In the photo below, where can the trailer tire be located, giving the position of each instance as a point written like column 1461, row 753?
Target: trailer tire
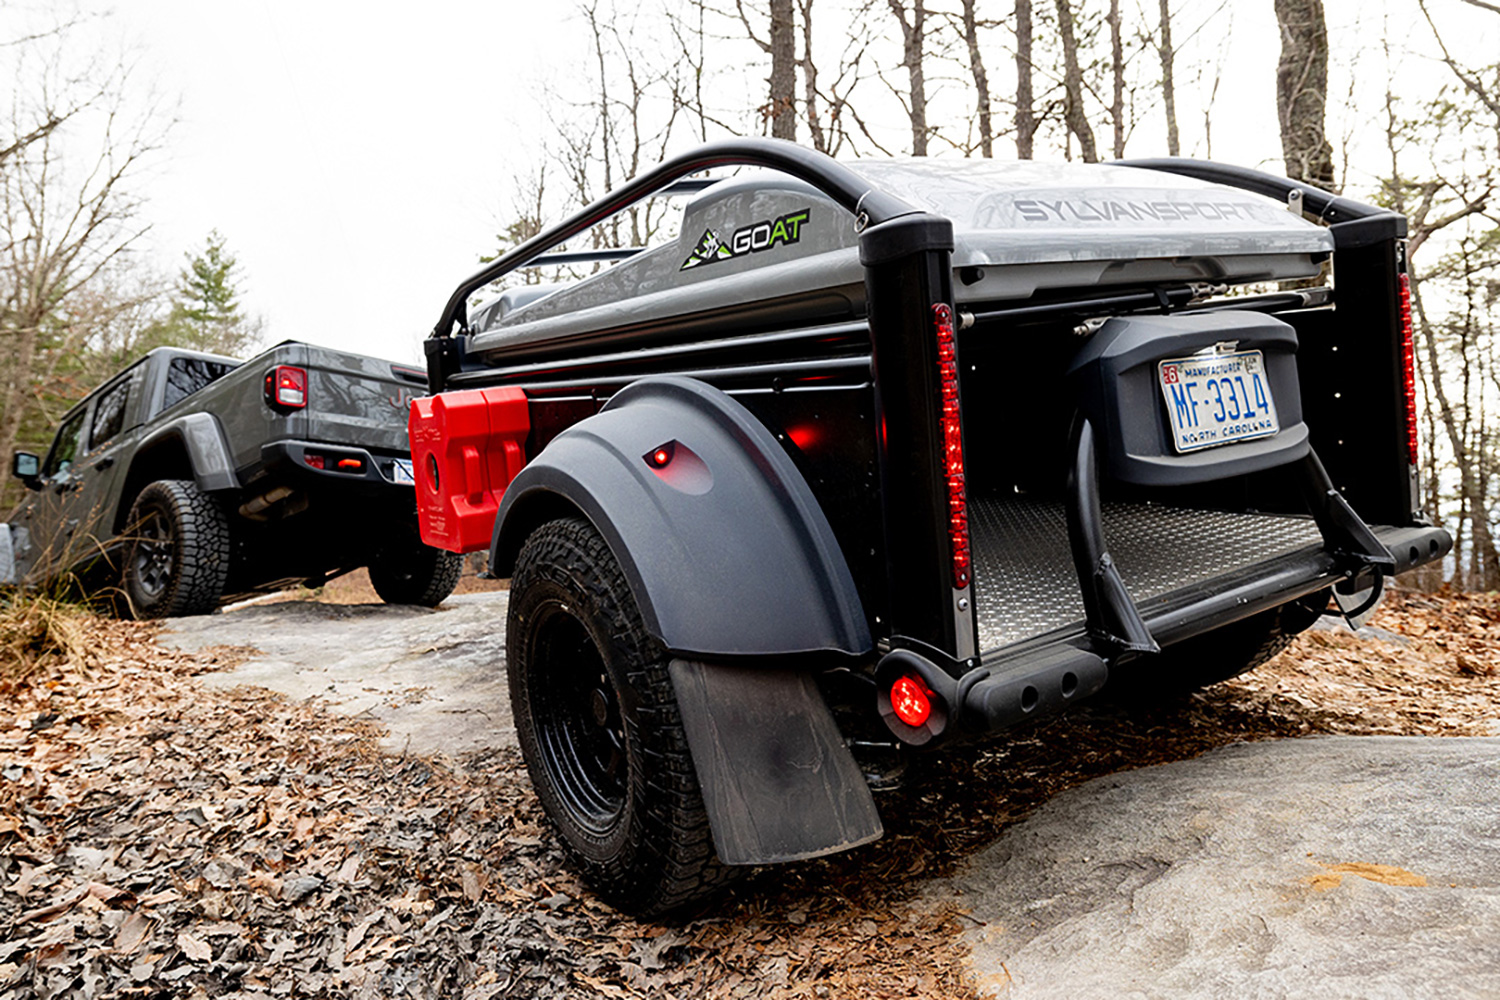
column 176, row 553
column 599, row 726
column 412, row 573
column 1227, row 652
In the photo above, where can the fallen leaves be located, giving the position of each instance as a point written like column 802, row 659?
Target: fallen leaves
column 166, row 839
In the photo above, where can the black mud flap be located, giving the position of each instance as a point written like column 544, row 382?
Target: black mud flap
column 778, row 781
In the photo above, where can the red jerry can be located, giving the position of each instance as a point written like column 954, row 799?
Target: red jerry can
column 466, row 447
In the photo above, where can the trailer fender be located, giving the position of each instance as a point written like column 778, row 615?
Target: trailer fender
column 725, row 548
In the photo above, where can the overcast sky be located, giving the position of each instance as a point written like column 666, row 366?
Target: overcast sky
column 357, row 157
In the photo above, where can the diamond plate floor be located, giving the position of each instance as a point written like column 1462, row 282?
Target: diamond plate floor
column 1023, row 571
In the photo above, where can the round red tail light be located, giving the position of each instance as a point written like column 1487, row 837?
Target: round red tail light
column 911, row 701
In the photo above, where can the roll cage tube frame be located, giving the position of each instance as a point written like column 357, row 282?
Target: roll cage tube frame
column 868, row 205
column 906, row 253
column 1353, row 223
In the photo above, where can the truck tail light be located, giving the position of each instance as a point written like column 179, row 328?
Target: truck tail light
column 287, row 386
column 1408, row 370
column 953, row 445
column 911, row 701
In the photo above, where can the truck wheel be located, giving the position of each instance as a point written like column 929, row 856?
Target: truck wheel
column 413, row 573
column 1227, row 652
column 599, row 726
column 177, row 553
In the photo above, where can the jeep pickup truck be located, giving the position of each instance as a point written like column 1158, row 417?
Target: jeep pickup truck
column 889, row 456
column 191, row 480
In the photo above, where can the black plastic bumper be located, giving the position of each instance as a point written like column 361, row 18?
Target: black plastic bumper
column 292, row 457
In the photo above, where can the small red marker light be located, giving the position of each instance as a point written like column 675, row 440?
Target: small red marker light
column 354, row 464
column 910, row 701
column 661, row 456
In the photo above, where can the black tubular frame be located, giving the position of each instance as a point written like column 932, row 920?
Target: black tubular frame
column 832, row 178
column 1353, row 223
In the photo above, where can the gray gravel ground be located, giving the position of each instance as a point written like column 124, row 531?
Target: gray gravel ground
column 436, row 679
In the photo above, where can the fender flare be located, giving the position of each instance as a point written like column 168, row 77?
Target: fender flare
column 203, row 440
column 725, row 547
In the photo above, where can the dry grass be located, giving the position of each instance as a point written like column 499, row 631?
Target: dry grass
column 38, row 629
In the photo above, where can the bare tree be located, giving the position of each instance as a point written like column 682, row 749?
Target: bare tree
column 1073, row 110
column 1117, row 77
column 66, row 210
column 782, row 108
column 913, row 26
column 1302, row 91
column 1025, row 97
column 780, row 44
column 1168, row 56
column 970, row 24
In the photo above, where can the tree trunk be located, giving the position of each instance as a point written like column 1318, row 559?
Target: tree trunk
column 1117, row 73
column 1302, row 91
column 1168, row 88
column 782, row 108
column 981, row 80
column 1025, row 100
column 912, row 38
column 810, row 80
column 1073, row 113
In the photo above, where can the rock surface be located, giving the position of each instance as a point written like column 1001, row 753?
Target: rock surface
column 435, row 679
column 1358, row 867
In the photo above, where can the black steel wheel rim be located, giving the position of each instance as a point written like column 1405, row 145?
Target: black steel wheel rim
column 576, row 712
column 155, row 550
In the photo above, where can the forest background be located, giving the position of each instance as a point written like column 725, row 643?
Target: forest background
column 1415, row 126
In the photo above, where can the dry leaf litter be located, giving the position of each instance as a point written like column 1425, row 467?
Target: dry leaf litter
column 160, row 839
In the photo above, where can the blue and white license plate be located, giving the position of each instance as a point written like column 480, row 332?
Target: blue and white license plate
column 1215, row 399
column 401, row 473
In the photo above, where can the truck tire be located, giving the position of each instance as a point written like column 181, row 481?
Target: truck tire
column 177, row 551
column 1227, row 652
column 599, row 726
column 413, row 573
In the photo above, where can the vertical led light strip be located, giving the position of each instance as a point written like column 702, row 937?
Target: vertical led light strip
column 1409, row 370
column 953, row 446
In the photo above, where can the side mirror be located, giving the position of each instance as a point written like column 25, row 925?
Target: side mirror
column 26, row 467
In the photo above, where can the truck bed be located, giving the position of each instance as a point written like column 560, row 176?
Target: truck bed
column 1026, row 585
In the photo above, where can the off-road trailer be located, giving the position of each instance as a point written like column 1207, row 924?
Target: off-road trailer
column 894, row 453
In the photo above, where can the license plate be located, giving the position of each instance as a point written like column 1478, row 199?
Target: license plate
column 401, row 473
column 1216, row 399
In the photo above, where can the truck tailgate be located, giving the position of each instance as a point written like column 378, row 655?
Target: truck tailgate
column 352, row 398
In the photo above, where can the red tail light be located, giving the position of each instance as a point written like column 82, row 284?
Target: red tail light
column 1408, row 371
column 286, row 386
column 953, row 445
column 911, row 701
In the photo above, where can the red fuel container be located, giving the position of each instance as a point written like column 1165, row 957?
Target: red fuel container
column 466, row 447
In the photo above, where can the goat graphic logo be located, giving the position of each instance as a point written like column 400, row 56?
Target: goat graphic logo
column 754, row 238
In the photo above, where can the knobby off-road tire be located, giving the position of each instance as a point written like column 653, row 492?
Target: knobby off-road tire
column 177, row 551
column 600, row 729
column 1227, row 652
column 412, row 573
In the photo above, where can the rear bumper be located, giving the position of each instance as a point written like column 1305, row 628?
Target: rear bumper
column 1046, row 674
column 291, row 458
